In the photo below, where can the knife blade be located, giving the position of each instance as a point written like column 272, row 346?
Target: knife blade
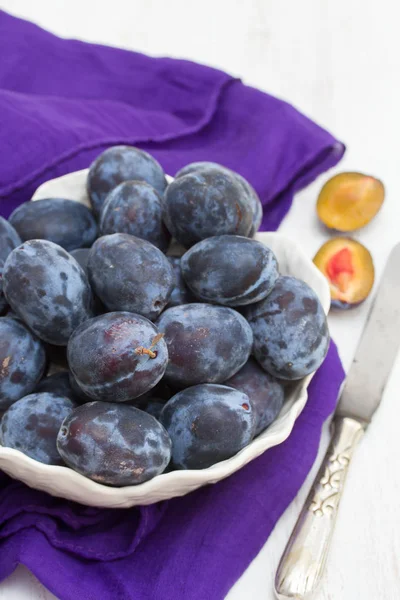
column 302, row 564
column 377, row 348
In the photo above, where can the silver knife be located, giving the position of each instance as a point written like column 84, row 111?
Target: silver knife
column 303, row 561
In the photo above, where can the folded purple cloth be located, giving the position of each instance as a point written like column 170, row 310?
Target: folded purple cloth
column 61, row 103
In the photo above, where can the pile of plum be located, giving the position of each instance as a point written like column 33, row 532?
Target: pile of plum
column 157, row 362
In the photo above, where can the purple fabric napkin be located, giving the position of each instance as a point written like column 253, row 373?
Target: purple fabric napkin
column 61, row 103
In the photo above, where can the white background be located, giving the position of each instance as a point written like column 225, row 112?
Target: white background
column 338, row 62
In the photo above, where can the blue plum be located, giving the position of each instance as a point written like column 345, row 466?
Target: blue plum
column 22, row 361
column 9, row 239
column 266, row 393
column 118, row 164
column 67, row 223
column 130, row 274
column 207, row 203
column 230, row 270
column 207, row 423
column 291, row 336
column 136, row 208
column 31, row 425
column 47, row 288
column 249, row 191
column 206, row 343
column 181, row 294
column 113, row 444
column 58, row 384
column 117, row 357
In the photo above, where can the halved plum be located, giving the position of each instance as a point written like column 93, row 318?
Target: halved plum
column 349, row 268
column 348, row 201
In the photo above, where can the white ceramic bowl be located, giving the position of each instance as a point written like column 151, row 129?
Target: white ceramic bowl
column 64, row 482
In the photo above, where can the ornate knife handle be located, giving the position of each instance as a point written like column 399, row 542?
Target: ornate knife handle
column 303, row 561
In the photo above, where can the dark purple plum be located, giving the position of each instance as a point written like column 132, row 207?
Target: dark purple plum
column 113, row 444
column 207, row 423
column 207, row 203
column 117, row 357
column 266, row 393
column 118, row 164
column 206, row 343
column 31, row 425
column 9, row 239
column 130, row 274
column 22, row 361
column 181, row 294
column 57, row 384
column 136, row 208
column 230, row 270
column 248, row 189
column 47, row 289
column 291, row 336
column 67, row 223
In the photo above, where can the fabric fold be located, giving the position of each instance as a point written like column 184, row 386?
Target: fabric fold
column 62, row 102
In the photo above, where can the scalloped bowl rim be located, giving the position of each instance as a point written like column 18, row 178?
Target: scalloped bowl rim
column 64, row 482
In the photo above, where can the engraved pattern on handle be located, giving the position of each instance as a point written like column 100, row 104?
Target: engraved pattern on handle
column 302, row 564
column 327, row 492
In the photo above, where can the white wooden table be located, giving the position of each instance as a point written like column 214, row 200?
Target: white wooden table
column 339, row 62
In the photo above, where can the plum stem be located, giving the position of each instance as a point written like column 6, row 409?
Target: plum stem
column 148, row 351
column 141, row 351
